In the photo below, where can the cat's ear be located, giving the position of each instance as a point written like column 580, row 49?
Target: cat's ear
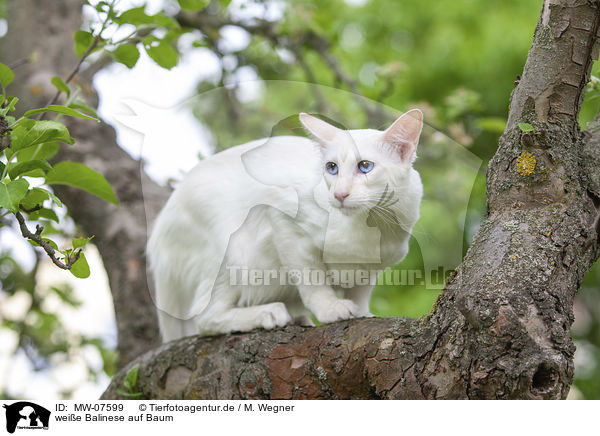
column 318, row 128
column 403, row 135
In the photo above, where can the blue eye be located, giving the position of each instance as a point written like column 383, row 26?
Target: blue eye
column 332, row 168
column 365, row 166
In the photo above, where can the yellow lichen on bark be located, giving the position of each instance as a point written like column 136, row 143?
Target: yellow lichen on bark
column 525, row 164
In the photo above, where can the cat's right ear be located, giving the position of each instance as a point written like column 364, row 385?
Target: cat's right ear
column 404, row 134
column 318, row 128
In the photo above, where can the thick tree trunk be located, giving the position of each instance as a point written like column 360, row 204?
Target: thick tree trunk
column 501, row 327
column 119, row 232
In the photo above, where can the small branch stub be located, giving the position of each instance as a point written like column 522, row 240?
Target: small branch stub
column 50, row 251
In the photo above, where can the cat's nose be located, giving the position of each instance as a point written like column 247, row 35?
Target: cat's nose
column 341, row 196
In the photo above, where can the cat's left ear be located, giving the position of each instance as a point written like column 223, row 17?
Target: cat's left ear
column 404, row 133
column 318, row 128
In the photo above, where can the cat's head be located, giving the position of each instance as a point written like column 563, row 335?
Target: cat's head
column 365, row 168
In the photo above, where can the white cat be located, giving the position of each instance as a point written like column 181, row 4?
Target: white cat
column 246, row 238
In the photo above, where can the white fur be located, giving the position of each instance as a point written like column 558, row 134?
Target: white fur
column 270, row 205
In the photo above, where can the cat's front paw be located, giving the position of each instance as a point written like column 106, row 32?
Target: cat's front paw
column 338, row 311
column 274, row 315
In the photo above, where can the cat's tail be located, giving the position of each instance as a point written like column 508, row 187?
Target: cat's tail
column 160, row 261
column 174, row 281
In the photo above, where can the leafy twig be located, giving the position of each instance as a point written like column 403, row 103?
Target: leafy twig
column 50, row 251
column 33, row 209
column 209, row 24
column 19, row 62
column 75, row 69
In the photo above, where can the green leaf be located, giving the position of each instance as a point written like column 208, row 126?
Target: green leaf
column 135, row 16
column 2, row 166
column 84, row 107
column 492, row 124
column 127, row 54
column 38, row 173
column 42, row 151
column 162, row 53
column 49, row 214
column 83, row 40
column 164, row 21
column 61, row 85
column 80, row 242
column 12, row 101
column 6, row 75
column 21, row 127
column 80, row 269
column 133, row 396
column 10, row 105
column 49, row 229
column 193, row 5
column 109, row 358
column 66, row 295
column 51, row 242
column 12, row 193
column 131, row 377
column 24, row 136
column 82, row 177
column 36, row 196
column 55, row 108
column 54, row 199
column 525, row 127
column 101, row 6
column 23, row 168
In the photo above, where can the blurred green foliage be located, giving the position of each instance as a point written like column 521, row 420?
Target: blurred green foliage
column 37, row 328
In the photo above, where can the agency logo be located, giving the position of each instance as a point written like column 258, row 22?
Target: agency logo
column 26, row 415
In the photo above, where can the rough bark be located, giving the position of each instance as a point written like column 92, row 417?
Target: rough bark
column 501, row 327
column 358, row 359
column 119, row 232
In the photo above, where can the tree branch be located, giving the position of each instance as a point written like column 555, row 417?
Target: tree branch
column 50, row 251
column 359, row 359
column 77, row 66
column 559, row 64
column 209, row 24
column 393, row 358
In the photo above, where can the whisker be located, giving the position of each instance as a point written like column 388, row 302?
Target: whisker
column 386, row 216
